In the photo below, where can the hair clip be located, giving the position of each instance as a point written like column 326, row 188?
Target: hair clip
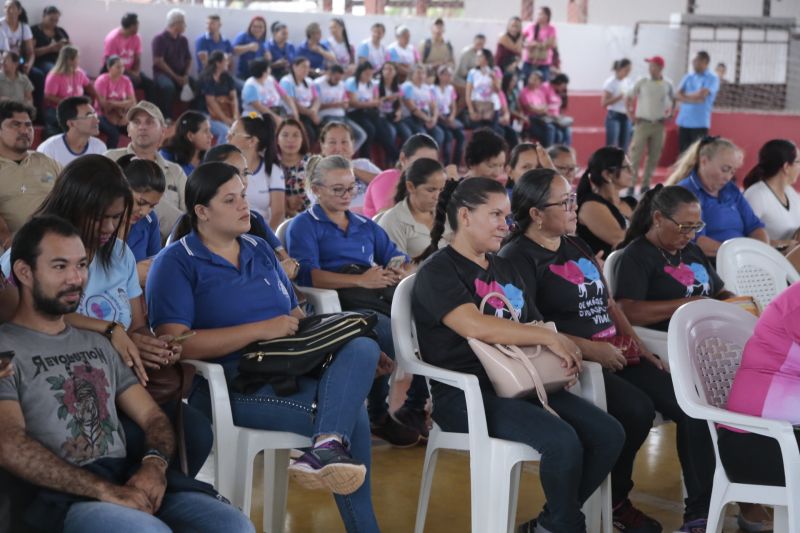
column 253, row 114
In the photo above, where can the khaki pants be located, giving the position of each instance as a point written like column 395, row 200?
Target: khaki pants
column 650, row 135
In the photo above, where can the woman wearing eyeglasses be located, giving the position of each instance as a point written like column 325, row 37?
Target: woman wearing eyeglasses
column 707, row 168
column 602, row 215
column 571, row 292
column 338, row 249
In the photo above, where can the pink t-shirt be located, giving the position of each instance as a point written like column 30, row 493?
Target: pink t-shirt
column 544, row 34
column 545, row 96
column 767, row 383
column 119, row 89
column 380, row 192
column 125, row 47
column 65, row 85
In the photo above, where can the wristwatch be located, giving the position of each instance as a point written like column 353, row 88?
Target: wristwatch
column 109, row 332
column 157, row 454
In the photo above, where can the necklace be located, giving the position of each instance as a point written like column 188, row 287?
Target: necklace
column 666, row 258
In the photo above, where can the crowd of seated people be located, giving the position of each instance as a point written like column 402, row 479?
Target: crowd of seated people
column 359, row 150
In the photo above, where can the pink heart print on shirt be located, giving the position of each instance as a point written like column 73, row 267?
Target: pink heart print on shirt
column 482, row 289
column 570, row 271
column 681, row 273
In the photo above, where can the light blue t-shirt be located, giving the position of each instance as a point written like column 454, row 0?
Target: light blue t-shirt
column 108, row 291
column 697, row 115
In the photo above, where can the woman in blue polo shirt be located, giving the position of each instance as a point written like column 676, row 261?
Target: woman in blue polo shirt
column 228, row 287
column 328, row 239
column 707, row 168
column 147, row 183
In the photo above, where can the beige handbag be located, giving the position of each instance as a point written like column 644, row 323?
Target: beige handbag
column 519, row 372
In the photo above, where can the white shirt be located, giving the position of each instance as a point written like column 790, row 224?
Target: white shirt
column 269, row 93
column 482, row 84
column 259, row 187
column 14, row 39
column 375, row 55
column 615, row 86
column 56, row 148
column 445, row 99
column 421, row 96
column 330, row 94
column 780, row 222
column 340, row 50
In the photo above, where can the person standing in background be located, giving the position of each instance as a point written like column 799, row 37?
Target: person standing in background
column 652, row 103
column 696, row 93
column 539, row 42
column 615, row 89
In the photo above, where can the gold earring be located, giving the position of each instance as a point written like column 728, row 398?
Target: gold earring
column 540, row 224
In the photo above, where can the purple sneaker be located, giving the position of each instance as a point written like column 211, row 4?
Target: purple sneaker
column 328, row 467
column 694, row 526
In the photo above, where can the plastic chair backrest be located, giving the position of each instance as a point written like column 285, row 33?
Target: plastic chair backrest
column 609, row 268
column 753, row 268
column 706, row 339
column 281, row 231
column 403, row 317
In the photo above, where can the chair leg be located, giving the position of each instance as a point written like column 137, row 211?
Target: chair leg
column 276, row 481
column 513, row 497
column 243, row 487
column 716, row 508
column 428, row 469
column 494, row 490
column 605, row 502
column 781, row 519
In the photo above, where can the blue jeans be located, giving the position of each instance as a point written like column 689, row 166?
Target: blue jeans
column 219, row 130
column 618, row 130
column 415, row 125
column 399, row 130
column 339, row 394
column 111, row 132
column 188, row 512
column 527, row 68
column 542, row 131
column 564, row 135
column 578, row 450
column 452, row 134
column 377, row 401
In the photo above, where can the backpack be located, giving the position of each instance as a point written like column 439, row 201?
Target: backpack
column 427, row 49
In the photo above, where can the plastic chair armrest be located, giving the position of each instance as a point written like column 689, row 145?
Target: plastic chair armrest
column 218, row 389
column 323, row 300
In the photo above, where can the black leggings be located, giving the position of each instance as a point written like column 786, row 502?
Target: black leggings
column 633, row 395
column 751, row 458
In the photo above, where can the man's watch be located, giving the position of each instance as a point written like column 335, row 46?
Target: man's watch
column 156, row 454
column 109, row 332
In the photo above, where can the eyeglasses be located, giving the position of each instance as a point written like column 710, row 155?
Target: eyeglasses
column 686, row 229
column 340, row 191
column 569, row 204
column 567, row 170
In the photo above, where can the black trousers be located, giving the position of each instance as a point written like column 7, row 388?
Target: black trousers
column 751, row 458
column 686, row 136
column 633, row 396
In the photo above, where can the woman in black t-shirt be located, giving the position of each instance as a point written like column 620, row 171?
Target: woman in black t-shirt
column 571, row 291
column 602, row 215
column 661, row 268
column 579, row 448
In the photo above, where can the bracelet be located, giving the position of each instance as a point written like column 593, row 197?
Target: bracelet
column 156, row 454
column 109, row 332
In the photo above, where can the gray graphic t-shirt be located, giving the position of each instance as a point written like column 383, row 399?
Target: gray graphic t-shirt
column 66, row 385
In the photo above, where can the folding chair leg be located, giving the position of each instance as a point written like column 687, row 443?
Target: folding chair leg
column 276, row 480
column 428, row 469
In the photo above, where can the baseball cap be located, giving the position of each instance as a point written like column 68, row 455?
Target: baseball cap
column 149, row 108
column 658, row 60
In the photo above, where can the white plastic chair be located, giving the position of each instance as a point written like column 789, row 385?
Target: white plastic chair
column 752, row 268
column 323, row 300
column 706, row 339
column 495, row 464
column 235, row 449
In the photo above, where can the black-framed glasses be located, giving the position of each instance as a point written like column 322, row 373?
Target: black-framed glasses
column 340, row 191
column 686, row 229
column 570, row 203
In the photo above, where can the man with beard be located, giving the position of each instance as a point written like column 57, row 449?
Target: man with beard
column 59, row 427
column 25, row 176
column 146, row 127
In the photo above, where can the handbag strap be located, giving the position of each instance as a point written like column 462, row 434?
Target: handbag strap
column 514, row 352
column 502, row 297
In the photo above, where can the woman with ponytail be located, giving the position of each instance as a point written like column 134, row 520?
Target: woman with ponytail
column 769, row 188
column 707, row 168
column 571, row 291
column 410, row 221
column 602, row 215
column 578, row 447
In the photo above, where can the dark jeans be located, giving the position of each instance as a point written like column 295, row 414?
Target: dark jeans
column 527, row 68
column 578, row 449
column 168, row 93
column 618, row 129
column 50, row 120
column 542, row 130
column 752, row 458
column 147, row 85
column 455, row 133
column 686, row 136
column 37, row 76
column 377, row 129
column 415, row 125
column 197, row 430
column 633, row 395
column 111, row 132
column 377, row 399
column 399, row 130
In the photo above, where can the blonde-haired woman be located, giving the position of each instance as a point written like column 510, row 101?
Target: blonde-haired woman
column 66, row 79
column 707, row 168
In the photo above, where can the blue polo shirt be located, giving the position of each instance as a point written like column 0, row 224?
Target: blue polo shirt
column 727, row 215
column 190, row 285
column 277, row 53
column 205, row 43
column 144, row 238
column 245, row 38
column 315, row 58
column 318, row 243
column 697, row 115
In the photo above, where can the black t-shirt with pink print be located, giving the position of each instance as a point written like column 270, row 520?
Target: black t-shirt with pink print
column 647, row 273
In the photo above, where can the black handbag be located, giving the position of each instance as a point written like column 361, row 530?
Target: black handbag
column 279, row 362
column 355, row 298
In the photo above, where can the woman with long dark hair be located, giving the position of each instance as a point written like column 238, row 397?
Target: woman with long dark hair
column 482, row 86
column 391, row 107
column 218, row 94
column 571, row 291
column 447, row 102
column 229, row 288
column 602, row 215
column 580, row 445
column 539, row 45
column 298, row 86
column 251, row 45
column 293, row 153
column 364, row 111
column 339, row 44
column 192, row 138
